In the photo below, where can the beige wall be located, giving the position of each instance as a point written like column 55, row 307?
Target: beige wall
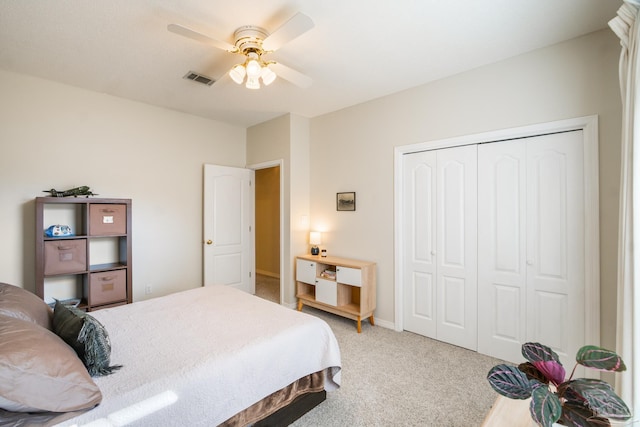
column 268, row 221
column 53, row 135
column 286, row 139
column 352, row 149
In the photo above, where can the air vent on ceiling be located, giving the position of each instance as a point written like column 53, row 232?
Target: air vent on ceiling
column 192, row 75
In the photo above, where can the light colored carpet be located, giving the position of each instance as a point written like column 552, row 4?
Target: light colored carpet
column 268, row 288
column 402, row 379
column 397, row 378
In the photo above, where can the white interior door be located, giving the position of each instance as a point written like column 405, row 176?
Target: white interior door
column 456, row 237
column 228, row 227
column 420, row 243
column 555, row 243
column 502, row 270
column 531, row 245
column 440, row 245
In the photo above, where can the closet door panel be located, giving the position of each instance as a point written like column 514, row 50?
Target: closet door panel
column 420, row 243
column 456, row 237
column 502, row 249
column 555, row 242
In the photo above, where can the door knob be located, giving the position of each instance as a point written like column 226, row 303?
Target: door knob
column 209, row 242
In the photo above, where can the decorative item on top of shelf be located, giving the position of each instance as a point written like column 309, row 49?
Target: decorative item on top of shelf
column 58, row 231
column 315, row 239
column 346, row 201
column 576, row 402
column 323, row 253
column 75, row 192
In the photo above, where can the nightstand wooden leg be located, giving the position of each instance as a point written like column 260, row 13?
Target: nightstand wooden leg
column 359, row 324
column 373, row 323
column 299, row 305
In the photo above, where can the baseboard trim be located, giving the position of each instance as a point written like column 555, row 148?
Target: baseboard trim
column 268, row 273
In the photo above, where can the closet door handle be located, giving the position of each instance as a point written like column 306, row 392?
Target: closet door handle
column 530, row 262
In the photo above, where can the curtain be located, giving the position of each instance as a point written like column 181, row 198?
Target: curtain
column 627, row 28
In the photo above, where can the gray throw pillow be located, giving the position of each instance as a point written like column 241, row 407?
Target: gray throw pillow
column 86, row 336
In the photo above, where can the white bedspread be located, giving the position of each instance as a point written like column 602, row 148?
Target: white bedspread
column 207, row 353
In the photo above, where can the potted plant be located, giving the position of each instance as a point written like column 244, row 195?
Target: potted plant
column 572, row 402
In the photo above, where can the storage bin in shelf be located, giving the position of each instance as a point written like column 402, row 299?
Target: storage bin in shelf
column 64, row 256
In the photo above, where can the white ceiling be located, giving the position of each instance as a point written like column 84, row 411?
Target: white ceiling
column 358, row 50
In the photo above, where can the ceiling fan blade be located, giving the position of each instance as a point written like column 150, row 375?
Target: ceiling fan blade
column 192, row 34
column 297, row 25
column 289, row 74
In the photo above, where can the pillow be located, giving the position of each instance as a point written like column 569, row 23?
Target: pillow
column 39, row 372
column 22, row 304
column 86, row 336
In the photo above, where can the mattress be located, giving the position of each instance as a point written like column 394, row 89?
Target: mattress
column 200, row 356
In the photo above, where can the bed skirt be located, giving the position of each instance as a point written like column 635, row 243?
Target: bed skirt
column 269, row 405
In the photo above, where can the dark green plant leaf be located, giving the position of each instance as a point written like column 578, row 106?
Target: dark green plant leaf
column 570, row 395
column 532, row 372
column 600, row 358
column 581, row 416
column 536, row 352
column 545, row 407
column 510, row 382
column 601, row 398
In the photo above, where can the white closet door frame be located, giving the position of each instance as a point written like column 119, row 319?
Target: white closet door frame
column 589, row 126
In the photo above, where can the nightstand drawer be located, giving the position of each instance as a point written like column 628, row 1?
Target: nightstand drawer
column 349, row 276
column 306, row 271
column 326, row 292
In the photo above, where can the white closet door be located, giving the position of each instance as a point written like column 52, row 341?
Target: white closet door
column 456, row 237
column 502, row 272
column 555, row 243
column 419, row 265
column 531, row 245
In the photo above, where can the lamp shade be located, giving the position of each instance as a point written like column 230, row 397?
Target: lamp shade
column 252, row 83
column 253, row 68
column 268, row 76
column 237, row 73
column 315, row 238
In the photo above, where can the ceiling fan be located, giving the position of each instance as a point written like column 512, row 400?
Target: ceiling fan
column 253, row 43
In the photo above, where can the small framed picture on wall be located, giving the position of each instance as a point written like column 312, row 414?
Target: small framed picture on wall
column 346, row 201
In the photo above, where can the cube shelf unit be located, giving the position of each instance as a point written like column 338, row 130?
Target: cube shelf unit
column 93, row 265
column 341, row 286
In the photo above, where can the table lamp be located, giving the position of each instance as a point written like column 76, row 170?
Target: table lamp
column 315, row 239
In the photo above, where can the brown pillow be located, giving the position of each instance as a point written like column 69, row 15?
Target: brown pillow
column 22, row 304
column 40, row 372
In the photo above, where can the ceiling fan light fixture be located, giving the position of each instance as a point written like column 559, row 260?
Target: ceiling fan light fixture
column 252, row 83
column 237, row 74
column 252, row 42
column 254, row 69
column 268, row 76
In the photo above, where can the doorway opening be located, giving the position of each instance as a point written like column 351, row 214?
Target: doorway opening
column 268, row 232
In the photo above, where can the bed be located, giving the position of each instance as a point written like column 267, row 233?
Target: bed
column 207, row 356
